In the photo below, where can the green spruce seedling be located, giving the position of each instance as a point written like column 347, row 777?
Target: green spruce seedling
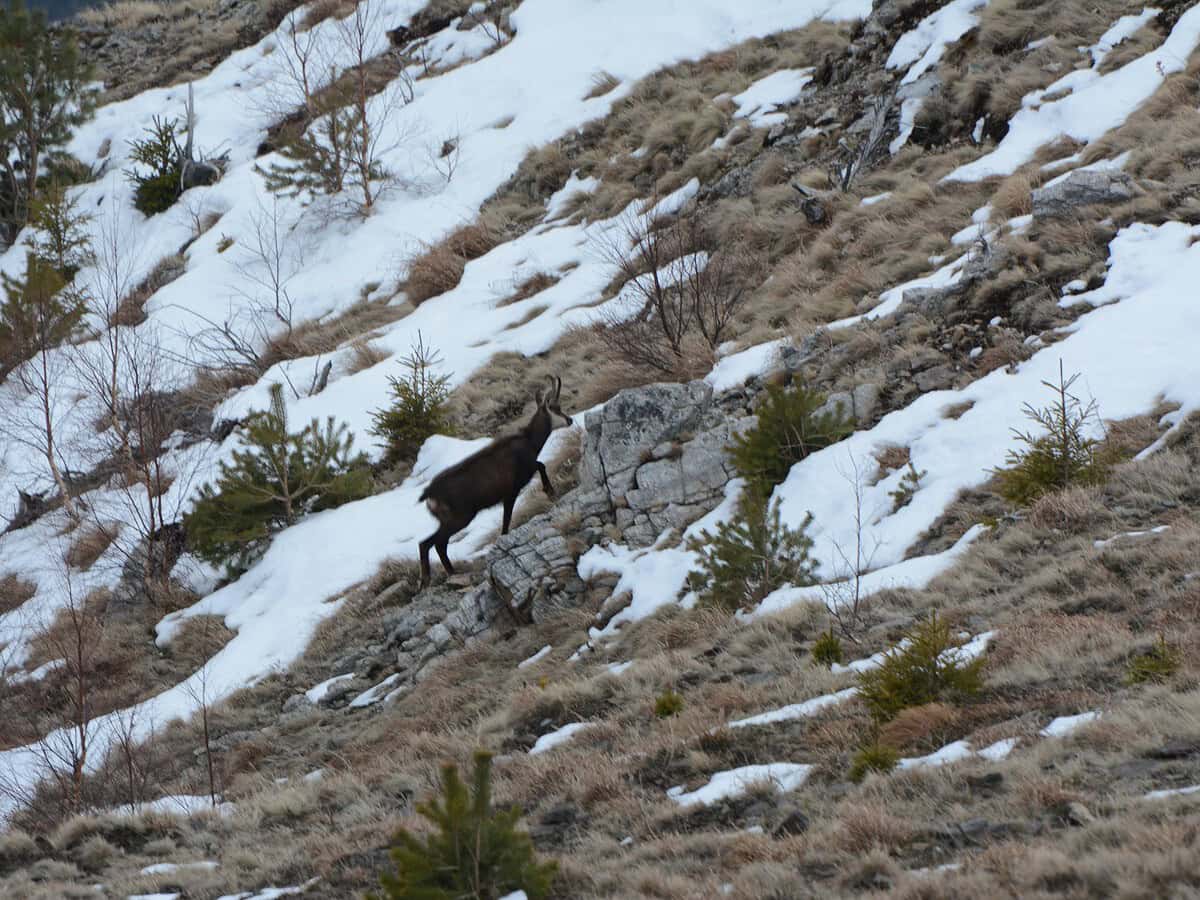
column 750, row 556
column 474, row 852
column 279, row 476
column 419, row 407
column 1060, row 454
column 926, row 668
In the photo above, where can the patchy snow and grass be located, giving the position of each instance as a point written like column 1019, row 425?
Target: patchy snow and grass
column 796, row 710
column 922, row 48
column 1064, row 725
column 548, row 742
column 761, row 103
column 782, row 777
column 1172, row 792
column 536, row 658
column 169, row 868
column 1095, row 104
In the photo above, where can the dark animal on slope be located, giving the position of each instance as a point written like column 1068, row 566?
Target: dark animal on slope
column 495, row 474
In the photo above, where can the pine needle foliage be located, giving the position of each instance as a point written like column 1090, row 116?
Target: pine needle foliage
column 44, row 94
column 60, row 235
column 750, row 556
column 419, row 407
column 159, row 183
column 1060, row 453
column 668, row 703
column 789, row 428
column 475, row 852
column 827, row 649
column 877, row 757
column 1156, row 665
column 926, row 668
column 36, row 313
column 269, row 485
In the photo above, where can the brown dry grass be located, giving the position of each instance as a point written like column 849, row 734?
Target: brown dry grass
column 437, row 268
column 14, row 591
column 89, row 545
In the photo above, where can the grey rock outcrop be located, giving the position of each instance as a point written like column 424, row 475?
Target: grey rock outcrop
column 1081, row 188
column 653, row 459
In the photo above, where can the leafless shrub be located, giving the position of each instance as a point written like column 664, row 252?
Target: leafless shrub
column 843, row 593
column 859, row 157
column 676, row 286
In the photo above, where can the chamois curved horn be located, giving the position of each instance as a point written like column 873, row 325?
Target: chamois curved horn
column 557, row 387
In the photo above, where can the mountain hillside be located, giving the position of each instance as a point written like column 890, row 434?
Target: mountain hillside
column 867, row 564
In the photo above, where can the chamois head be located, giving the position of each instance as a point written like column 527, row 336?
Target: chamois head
column 547, row 404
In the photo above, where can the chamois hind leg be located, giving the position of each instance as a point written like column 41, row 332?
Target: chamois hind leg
column 509, row 503
column 441, row 538
column 425, row 545
column 546, row 485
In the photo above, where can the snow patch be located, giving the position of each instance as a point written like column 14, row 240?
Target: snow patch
column 735, row 782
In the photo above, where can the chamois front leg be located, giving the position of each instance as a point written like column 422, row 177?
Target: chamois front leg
column 509, row 502
column 546, row 485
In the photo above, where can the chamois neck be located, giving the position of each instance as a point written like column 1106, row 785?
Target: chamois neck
column 538, row 429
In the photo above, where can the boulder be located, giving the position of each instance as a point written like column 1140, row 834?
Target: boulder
column 1063, row 196
column 621, row 435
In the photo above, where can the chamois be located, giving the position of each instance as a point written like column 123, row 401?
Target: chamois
column 495, row 474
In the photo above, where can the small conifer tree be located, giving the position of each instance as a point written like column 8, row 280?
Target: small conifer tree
column 474, row 852
column 60, row 235
column 789, row 428
column 43, row 95
column 266, row 487
column 1061, row 454
column 419, row 405
column 36, row 314
column 750, row 556
column 925, row 669
column 159, row 181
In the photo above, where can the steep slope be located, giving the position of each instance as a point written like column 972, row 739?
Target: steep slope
column 935, row 221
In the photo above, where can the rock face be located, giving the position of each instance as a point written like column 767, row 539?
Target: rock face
column 1081, row 188
column 653, row 459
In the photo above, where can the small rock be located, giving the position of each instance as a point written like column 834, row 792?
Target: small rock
column 1177, row 749
column 1081, row 188
column 297, row 703
column 1078, row 814
column 795, row 822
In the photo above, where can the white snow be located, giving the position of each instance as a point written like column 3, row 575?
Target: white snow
column 877, row 198
column 177, row 805
column 913, row 574
column 1123, row 29
column 537, row 657
column 172, row 896
column 168, row 868
column 999, row 750
column 1095, row 105
column 955, row 752
column 921, row 48
column 515, row 895
column 272, row 893
column 617, row 668
column 318, row 692
column 525, row 94
column 1064, row 725
column 908, row 120
column 1172, row 792
column 654, row 577
column 733, row 370
column 1157, row 529
column 373, row 695
column 735, row 782
column 556, row 738
column 796, row 710
column 762, row 101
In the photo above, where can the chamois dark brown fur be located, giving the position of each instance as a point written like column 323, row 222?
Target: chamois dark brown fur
column 495, row 474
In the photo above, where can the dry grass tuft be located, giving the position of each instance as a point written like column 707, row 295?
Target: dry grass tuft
column 438, row 268
column 89, row 545
column 14, row 591
column 602, row 83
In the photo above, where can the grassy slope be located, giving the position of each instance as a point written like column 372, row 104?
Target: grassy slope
column 1063, row 817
